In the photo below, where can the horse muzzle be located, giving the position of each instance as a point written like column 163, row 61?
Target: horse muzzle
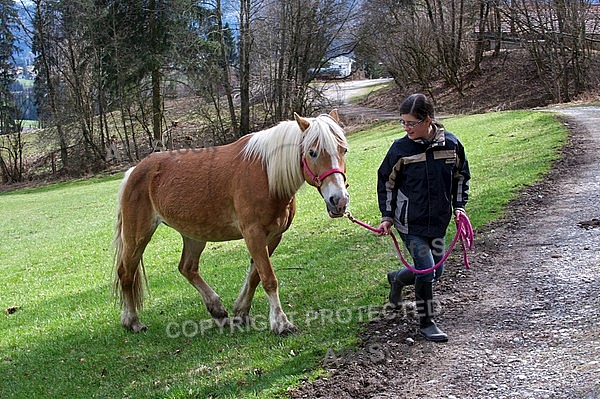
column 337, row 204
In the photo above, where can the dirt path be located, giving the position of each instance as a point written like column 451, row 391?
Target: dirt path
column 524, row 322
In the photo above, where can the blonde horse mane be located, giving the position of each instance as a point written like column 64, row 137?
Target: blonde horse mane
column 280, row 149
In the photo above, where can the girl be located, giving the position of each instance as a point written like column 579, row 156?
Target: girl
column 422, row 180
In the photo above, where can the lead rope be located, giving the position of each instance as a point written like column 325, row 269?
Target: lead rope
column 464, row 232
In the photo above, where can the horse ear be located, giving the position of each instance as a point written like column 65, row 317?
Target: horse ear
column 302, row 122
column 334, row 115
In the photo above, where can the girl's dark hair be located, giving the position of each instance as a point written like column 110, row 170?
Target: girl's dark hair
column 418, row 105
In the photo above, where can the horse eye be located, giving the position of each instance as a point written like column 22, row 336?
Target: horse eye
column 312, row 153
column 344, row 151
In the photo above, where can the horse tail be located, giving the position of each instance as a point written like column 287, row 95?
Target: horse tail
column 117, row 243
column 137, row 288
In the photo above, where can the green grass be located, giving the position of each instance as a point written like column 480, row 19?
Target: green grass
column 506, row 151
column 30, row 123
column 55, row 261
column 26, row 83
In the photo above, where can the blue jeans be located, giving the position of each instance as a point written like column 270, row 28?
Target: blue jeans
column 426, row 252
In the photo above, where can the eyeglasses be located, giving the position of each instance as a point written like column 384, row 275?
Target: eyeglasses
column 411, row 125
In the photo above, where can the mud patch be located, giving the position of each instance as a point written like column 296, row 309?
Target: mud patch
column 589, row 224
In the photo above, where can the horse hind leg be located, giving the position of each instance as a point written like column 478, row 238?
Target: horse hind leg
column 130, row 241
column 241, row 307
column 130, row 280
column 188, row 267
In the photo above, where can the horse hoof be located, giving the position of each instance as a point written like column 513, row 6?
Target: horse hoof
column 131, row 322
column 241, row 320
column 137, row 327
column 218, row 313
column 286, row 329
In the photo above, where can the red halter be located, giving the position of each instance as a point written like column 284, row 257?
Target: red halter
column 319, row 179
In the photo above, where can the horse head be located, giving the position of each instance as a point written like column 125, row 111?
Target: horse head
column 324, row 148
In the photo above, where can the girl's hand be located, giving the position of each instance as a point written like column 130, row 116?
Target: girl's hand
column 385, row 227
column 458, row 211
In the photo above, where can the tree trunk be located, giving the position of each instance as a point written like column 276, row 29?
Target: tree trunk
column 225, row 66
column 245, row 44
column 480, row 44
column 155, row 75
column 156, row 105
column 52, row 97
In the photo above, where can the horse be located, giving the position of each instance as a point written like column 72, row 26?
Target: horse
column 243, row 190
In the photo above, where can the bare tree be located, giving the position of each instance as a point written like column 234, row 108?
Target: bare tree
column 449, row 23
column 46, row 25
column 291, row 39
column 224, row 63
column 245, row 47
column 65, row 84
column 397, row 34
column 555, row 34
column 420, row 41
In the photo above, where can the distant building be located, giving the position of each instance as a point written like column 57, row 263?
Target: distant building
column 518, row 25
column 342, row 64
column 336, row 68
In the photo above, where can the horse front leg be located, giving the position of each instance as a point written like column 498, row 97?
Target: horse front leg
column 257, row 246
column 241, row 307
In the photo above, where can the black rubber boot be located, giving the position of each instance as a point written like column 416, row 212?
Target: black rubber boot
column 424, row 301
column 398, row 279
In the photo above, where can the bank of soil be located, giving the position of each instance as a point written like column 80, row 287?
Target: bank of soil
column 523, row 322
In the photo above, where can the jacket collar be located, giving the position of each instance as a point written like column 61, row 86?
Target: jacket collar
column 439, row 138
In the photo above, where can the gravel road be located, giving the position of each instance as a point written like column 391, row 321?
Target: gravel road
column 524, row 321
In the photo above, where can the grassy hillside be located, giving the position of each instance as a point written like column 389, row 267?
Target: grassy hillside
column 62, row 337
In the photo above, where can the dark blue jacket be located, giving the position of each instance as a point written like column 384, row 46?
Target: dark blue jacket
column 419, row 183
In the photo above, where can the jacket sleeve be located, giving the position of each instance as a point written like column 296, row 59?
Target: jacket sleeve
column 460, row 184
column 385, row 186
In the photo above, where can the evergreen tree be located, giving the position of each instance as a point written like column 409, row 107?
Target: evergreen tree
column 134, row 38
column 11, row 145
column 8, row 25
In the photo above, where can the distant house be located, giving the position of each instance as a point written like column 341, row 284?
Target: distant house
column 523, row 27
column 336, row 68
column 342, row 64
